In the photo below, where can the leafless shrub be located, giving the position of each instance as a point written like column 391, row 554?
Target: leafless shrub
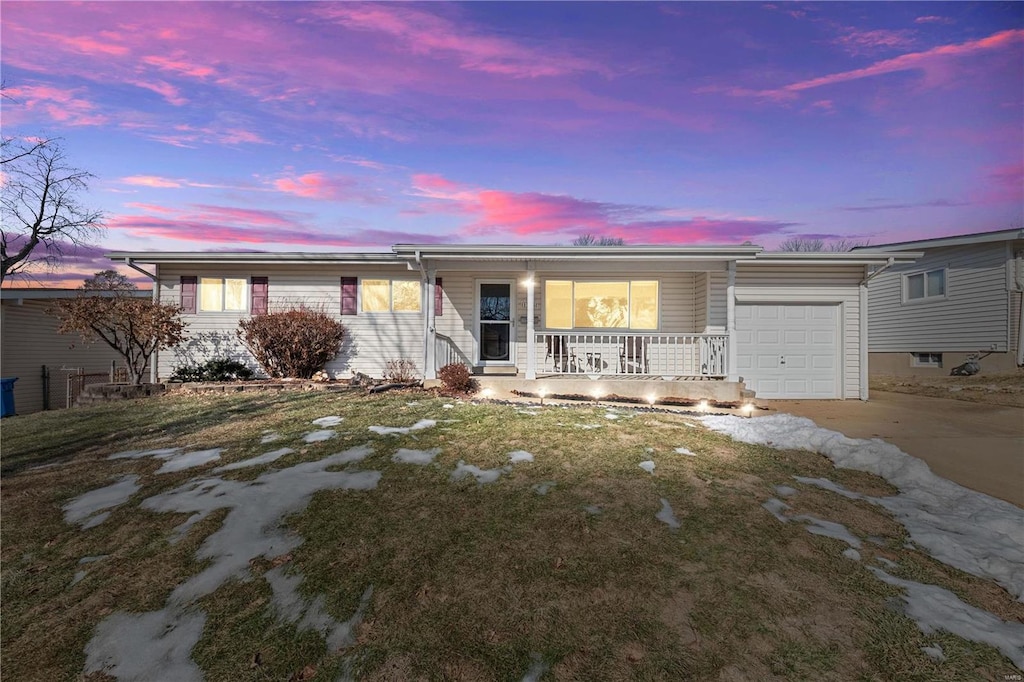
column 292, row 343
column 400, row 371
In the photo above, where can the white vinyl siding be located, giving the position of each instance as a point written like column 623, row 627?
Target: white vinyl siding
column 31, row 340
column 370, row 340
column 812, row 285
column 972, row 316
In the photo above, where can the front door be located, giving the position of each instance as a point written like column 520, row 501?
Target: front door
column 494, row 320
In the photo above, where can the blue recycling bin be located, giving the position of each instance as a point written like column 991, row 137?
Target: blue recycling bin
column 7, row 396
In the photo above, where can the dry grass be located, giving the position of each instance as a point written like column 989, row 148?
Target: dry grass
column 474, row 582
column 1005, row 388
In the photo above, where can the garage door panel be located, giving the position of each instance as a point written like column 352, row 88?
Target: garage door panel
column 806, row 337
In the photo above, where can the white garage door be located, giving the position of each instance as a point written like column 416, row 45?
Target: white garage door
column 789, row 351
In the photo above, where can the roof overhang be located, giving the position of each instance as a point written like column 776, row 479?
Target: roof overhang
column 505, row 252
column 259, row 258
column 956, row 240
column 844, row 258
column 42, row 293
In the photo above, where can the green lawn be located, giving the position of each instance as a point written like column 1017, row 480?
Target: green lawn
column 471, row 581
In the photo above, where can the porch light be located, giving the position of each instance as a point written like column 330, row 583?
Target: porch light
column 528, row 282
column 702, row 406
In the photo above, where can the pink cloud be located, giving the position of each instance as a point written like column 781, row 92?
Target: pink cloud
column 62, row 106
column 164, row 89
column 150, row 181
column 325, row 187
column 538, row 215
column 1004, row 184
column 932, row 19
column 870, row 42
column 180, row 66
column 429, row 34
column 87, row 45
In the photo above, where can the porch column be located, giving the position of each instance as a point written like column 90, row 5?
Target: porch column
column 730, row 323
column 863, row 339
column 531, row 345
column 429, row 331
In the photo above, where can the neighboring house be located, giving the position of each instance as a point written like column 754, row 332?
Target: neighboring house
column 634, row 320
column 962, row 297
column 29, row 341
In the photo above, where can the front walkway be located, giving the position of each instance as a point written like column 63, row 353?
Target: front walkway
column 978, row 446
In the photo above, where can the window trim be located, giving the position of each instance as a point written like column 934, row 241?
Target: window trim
column 905, row 286
column 916, row 361
column 391, row 296
column 246, row 296
column 598, row 330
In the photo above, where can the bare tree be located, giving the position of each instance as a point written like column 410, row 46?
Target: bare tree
column 592, row 240
column 109, row 309
column 40, row 209
column 811, row 245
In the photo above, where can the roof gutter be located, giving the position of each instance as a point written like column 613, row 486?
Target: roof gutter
column 879, row 271
column 131, row 263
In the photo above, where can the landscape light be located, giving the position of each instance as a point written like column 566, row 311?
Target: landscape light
column 747, row 409
column 596, row 393
column 651, row 399
column 487, row 393
column 702, row 406
column 542, row 392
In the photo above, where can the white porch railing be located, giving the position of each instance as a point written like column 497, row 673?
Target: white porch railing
column 446, row 352
column 651, row 354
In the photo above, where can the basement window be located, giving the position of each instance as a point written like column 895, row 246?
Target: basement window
column 926, row 359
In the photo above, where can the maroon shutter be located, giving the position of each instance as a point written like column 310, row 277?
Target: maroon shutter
column 259, row 293
column 348, row 295
column 438, row 298
column 189, row 284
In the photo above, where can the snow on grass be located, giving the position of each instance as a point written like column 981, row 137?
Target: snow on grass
column 974, row 532
column 448, row 406
column 161, row 453
column 319, row 436
column 588, row 426
column 592, row 509
column 269, row 437
column 685, row 451
column 851, row 553
column 888, row 563
column 266, row 458
column 936, row 608
column 421, row 457
column 826, row 484
column 391, row 430
column 517, row 456
column 667, row 515
column 292, row 608
column 88, row 508
column 543, row 488
column 647, row 465
column 146, row 646
column 189, row 460
column 332, row 420
column 482, row 476
column 785, row 491
column 777, row 507
column 934, row 652
column 611, row 415
column 829, row 529
column 536, row 670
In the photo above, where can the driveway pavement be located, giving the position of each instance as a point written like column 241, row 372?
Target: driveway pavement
column 978, row 446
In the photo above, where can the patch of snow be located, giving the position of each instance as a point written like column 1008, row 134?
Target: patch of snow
column 934, row 652
column 92, row 559
column 851, row 553
column 390, row 430
column 588, row 426
column 77, row 577
column 536, row 669
column 146, row 646
column 692, row 426
column 84, row 508
column 270, row 438
column 519, row 456
column 448, row 406
column 421, row 457
column 611, row 415
column 666, row 515
column 684, row 451
column 332, row 420
column 592, row 509
column 319, row 436
column 829, row 529
column 414, row 403
column 528, row 413
column 311, row 615
column 826, row 484
column 189, row 460
column 888, row 563
column 161, row 453
column 482, row 476
column 255, row 508
column 936, row 608
column 974, row 532
column 955, row 389
column 785, row 491
column 543, row 488
column 266, row 458
column 647, row 465
column 776, row 507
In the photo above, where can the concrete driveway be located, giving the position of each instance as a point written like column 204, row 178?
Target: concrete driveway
column 978, row 446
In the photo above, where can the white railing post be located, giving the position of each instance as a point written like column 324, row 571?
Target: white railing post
column 730, row 324
column 531, row 337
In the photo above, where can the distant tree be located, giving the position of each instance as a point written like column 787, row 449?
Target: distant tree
column 592, row 240
column 40, row 210
column 107, row 308
column 808, row 245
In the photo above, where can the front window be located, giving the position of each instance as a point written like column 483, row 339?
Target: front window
column 384, row 295
column 219, row 294
column 923, row 285
column 586, row 304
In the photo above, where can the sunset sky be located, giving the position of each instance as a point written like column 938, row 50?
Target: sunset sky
column 349, row 126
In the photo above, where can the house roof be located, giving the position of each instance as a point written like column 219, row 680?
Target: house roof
column 382, row 258
column 955, row 240
column 506, row 252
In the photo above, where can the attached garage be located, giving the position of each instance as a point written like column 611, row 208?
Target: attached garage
column 790, row 350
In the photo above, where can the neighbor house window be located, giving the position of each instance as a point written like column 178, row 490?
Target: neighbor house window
column 585, row 304
column 927, row 359
column 217, row 294
column 922, row 285
column 395, row 295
